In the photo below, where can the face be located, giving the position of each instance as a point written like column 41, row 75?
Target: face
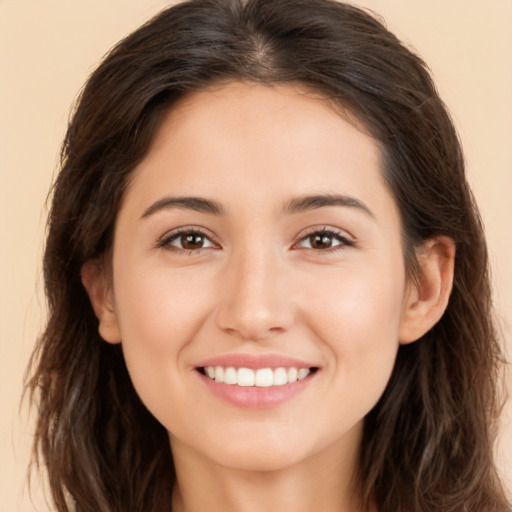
column 258, row 279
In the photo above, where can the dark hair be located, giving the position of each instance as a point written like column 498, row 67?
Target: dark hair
column 427, row 444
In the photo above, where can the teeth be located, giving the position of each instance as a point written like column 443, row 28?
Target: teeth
column 280, row 377
column 291, row 374
column 219, row 374
column 245, row 377
column 303, row 373
column 263, row 377
column 230, row 376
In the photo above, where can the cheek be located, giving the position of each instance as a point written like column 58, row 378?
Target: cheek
column 365, row 299
column 160, row 310
column 357, row 317
column 159, row 314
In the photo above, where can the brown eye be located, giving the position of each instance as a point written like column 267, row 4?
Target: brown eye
column 324, row 240
column 192, row 241
column 189, row 240
column 320, row 241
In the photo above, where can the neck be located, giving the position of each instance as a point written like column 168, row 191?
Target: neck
column 324, row 481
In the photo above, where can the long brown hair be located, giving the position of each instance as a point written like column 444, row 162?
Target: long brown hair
column 427, row 444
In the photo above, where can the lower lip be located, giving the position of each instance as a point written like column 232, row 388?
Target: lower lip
column 254, row 397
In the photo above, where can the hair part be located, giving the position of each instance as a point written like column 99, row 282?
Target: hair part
column 428, row 442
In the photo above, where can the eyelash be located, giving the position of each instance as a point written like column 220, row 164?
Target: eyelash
column 331, row 233
column 166, row 241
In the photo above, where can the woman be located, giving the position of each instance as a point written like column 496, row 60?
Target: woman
column 266, row 275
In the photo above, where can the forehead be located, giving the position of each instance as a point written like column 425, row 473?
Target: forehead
column 252, row 142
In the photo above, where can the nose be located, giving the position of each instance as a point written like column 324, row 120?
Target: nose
column 256, row 301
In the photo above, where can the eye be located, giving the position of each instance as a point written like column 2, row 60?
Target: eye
column 324, row 240
column 187, row 240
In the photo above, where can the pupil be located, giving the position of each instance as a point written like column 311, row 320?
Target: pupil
column 321, row 241
column 192, row 241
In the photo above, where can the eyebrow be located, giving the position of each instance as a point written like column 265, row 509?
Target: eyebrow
column 197, row 204
column 305, row 203
column 295, row 205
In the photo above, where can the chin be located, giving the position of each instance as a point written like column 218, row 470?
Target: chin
column 252, row 449
column 255, row 459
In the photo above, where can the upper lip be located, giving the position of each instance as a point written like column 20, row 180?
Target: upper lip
column 256, row 361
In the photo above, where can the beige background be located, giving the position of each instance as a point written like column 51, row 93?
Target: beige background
column 48, row 48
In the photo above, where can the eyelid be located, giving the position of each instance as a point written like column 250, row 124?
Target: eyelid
column 164, row 242
column 339, row 234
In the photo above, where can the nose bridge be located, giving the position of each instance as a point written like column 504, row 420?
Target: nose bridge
column 254, row 300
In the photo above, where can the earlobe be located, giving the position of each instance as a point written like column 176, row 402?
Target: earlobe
column 99, row 290
column 428, row 296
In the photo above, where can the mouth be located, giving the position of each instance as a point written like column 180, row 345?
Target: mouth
column 256, row 377
column 257, row 381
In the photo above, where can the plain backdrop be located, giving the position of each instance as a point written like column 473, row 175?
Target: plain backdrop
column 49, row 47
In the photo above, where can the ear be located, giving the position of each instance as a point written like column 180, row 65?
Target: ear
column 99, row 289
column 428, row 296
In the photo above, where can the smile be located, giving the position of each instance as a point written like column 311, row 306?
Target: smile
column 256, row 381
column 261, row 377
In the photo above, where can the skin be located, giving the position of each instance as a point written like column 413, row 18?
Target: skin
column 259, row 285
